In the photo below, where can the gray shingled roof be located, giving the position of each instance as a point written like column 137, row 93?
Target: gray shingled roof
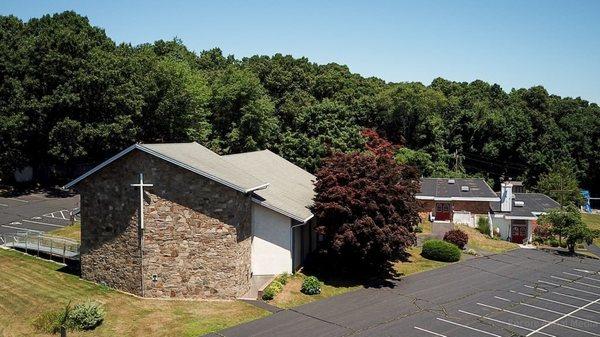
column 199, row 158
column 275, row 182
column 440, row 188
column 533, row 203
column 291, row 188
column 194, row 157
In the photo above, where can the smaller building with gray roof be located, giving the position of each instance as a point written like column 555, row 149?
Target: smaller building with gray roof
column 514, row 217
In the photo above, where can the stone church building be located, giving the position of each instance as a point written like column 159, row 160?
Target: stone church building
column 178, row 220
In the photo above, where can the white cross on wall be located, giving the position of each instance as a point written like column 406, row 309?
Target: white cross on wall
column 141, row 185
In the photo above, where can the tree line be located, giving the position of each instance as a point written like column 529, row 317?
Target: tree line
column 70, row 96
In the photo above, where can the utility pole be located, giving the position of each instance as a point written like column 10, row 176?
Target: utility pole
column 457, row 161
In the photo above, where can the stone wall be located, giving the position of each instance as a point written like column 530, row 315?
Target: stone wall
column 197, row 235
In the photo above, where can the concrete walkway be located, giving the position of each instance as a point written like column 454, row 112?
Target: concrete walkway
column 438, row 229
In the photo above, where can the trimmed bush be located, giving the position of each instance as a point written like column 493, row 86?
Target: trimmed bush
column 457, row 237
column 311, row 286
column 85, row 316
column 483, row 226
column 439, row 250
column 272, row 290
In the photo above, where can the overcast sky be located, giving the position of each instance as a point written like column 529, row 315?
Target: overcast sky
column 512, row 43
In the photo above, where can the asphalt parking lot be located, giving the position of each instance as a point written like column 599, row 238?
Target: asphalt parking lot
column 38, row 212
column 519, row 293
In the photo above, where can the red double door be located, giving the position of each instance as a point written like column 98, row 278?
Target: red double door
column 443, row 211
column 518, row 231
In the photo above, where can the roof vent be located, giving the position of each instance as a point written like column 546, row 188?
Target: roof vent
column 451, row 181
column 464, row 188
column 519, row 203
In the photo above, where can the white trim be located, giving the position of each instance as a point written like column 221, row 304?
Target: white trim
column 520, row 217
column 99, row 167
column 170, row 160
column 428, row 197
column 280, row 211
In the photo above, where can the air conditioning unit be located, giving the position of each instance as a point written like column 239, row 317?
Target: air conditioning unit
column 519, row 203
column 451, row 181
column 464, row 188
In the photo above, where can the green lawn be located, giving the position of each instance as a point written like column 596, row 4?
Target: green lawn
column 29, row 286
column 484, row 244
column 291, row 296
column 70, row 232
column 593, row 222
column 416, row 263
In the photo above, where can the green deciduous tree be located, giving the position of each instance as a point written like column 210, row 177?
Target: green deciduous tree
column 567, row 224
column 561, row 185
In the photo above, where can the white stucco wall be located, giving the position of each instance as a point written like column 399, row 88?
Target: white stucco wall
column 464, row 218
column 270, row 242
column 503, row 225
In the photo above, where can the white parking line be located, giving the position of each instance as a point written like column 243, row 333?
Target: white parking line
column 587, row 271
column 552, row 301
column 574, row 281
column 58, row 215
column 555, row 322
column 503, row 322
column 535, row 288
column 43, row 223
column 22, row 228
column 19, row 200
column 431, row 332
column 585, row 277
column 544, row 309
column 565, row 316
column 573, row 297
column 5, row 205
column 567, row 287
column 468, row 327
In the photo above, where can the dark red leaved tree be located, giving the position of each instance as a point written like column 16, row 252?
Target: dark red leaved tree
column 378, row 145
column 365, row 207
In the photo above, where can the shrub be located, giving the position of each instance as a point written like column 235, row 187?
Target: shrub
column 418, row 229
column 543, row 231
column 48, row 322
column 85, row 316
column 457, row 237
column 311, row 286
column 272, row 290
column 483, row 226
column 553, row 242
column 283, row 278
column 440, row 251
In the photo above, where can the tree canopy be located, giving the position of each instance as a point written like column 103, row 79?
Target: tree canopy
column 70, row 96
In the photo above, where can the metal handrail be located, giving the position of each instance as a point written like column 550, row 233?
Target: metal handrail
column 41, row 243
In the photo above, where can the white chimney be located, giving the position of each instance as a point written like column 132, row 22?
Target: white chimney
column 506, row 197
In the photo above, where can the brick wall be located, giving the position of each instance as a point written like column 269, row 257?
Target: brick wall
column 197, row 233
column 475, row 207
